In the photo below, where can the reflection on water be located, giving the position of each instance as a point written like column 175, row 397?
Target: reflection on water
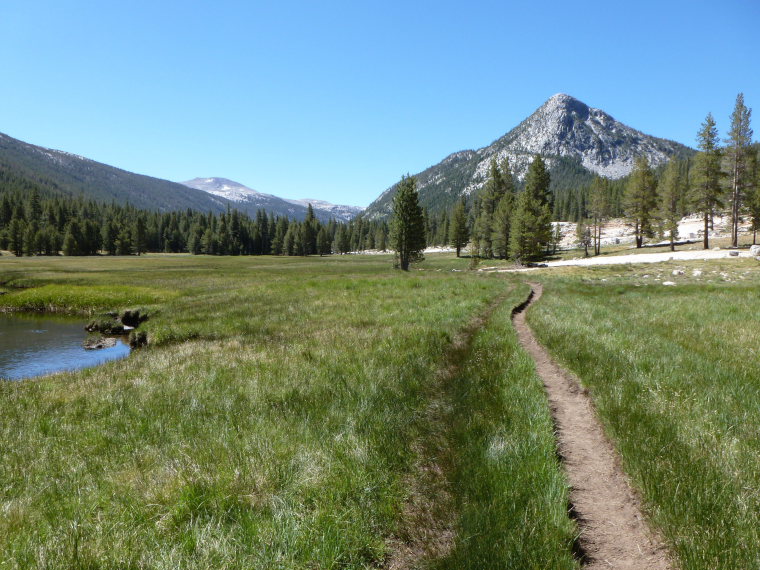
column 32, row 345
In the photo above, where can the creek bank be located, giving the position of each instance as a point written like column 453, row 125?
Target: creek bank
column 118, row 324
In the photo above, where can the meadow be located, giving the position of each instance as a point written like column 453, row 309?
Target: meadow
column 675, row 376
column 287, row 413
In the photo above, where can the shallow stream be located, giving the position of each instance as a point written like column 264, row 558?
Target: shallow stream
column 32, row 345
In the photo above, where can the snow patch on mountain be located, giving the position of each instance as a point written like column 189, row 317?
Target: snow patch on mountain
column 252, row 200
column 341, row 212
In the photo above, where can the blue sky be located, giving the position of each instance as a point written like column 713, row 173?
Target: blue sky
column 336, row 100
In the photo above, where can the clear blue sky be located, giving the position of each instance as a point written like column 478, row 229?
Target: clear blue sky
column 336, row 100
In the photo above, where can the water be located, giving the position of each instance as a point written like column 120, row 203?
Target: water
column 32, row 345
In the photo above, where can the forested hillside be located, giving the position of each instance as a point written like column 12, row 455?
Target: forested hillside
column 78, row 176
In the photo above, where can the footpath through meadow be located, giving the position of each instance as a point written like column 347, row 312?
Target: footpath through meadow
column 614, row 533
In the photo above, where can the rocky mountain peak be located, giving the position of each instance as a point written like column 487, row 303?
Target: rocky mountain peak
column 574, row 139
column 566, row 127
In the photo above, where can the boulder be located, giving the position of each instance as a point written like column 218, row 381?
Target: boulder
column 96, row 342
column 733, row 253
column 754, row 251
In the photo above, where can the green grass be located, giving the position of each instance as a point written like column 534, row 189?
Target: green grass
column 269, row 423
column 675, row 375
column 510, row 491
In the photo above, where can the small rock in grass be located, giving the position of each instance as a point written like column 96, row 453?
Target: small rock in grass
column 678, row 272
column 733, row 253
column 668, row 283
column 696, row 272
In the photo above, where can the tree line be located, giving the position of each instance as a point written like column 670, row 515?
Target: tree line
column 35, row 220
column 720, row 179
column 503, row 222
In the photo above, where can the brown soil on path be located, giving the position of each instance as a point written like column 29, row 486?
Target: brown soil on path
column 613, row 532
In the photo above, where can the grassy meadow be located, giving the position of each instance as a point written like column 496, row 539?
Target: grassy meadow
column 280, row 418
column 674, row 372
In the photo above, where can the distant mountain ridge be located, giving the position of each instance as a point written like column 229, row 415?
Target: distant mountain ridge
column 73, row 175
column 76, row 175
column 577, row 141
column 248, row 199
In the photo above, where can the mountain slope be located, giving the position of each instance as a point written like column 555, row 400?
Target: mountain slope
column 249, row 200
column 576, row 140
column 75, row 175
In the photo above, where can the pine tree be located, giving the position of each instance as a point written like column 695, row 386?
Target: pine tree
column 407, row 224
column 705, row 194
column 537, row 181
column 502, row 220
column 583, row 235
column 737, row 149
column 598, row 210
column 641, row 200
column 310, row 230
column 753, row 198
column 323, row 242
column 503, row 213
column 671, row 190
column 139, row 235
column 458, row 232
column 16, row 237
column 530, row 225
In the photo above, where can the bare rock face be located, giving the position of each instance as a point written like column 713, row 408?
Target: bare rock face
column 566, row 127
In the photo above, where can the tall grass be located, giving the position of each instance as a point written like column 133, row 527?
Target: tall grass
column 267, row 425
column 510, row 490
column 675, row 375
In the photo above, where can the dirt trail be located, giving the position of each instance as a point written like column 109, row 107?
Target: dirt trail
column 614, row 533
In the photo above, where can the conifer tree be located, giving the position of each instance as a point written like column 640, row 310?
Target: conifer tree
column 458, row 232
column 583, row 235
column 641, row 200
column 706, row 191
column 671, row 190
column 310, row 230
column 530, row 225
column 16, row 237
column 323, row 242
column 737, row 149
column 599, row 210
column 753, row 198
column 139, row 236
column 407, row 224
column 109, row 237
